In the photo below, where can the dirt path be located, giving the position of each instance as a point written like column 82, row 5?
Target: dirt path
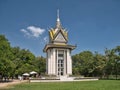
column 7, row 84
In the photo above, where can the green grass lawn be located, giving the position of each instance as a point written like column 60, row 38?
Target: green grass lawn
column 83, row 85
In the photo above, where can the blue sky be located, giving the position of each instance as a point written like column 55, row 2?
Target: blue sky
column 92, row 24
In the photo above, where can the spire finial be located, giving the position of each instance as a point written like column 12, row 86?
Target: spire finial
column 58, row 19
column 58, row 24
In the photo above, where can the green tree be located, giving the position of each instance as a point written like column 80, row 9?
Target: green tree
column 88, row 64
column 6, row 65
column 76, row 64
column 23, row 59
column 98, row 64
column 117, row 61
column 83, row 63
column 40, row 64
column 110, row 62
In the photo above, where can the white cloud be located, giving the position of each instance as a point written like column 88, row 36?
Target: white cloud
column 25, row 32
column 33, row 31
column 45, row 39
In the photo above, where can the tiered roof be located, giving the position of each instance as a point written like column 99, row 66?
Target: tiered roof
column 58, row 37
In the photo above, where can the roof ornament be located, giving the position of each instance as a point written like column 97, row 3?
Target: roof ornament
column 58, row 24
column 58, row 19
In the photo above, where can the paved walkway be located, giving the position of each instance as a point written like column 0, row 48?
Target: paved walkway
column 14, row 82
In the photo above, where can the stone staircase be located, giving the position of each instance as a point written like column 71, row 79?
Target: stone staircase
column 66, row 78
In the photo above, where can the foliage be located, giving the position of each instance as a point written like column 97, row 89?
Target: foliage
column 15, row 61
column 23, row 60
column 94, row 64
column 6, row 65
column 40, row 63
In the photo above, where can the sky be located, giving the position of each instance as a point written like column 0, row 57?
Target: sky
column 91, row 24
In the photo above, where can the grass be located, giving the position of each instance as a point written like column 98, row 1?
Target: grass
column 83, row 85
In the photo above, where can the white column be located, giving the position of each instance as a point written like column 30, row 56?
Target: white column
column 53, row 62
column 57, row 62
column 69, row 63
column 49, row 62
column 65, row 62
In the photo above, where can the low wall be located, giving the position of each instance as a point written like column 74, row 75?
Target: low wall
column 61, row 80
column 44, row 80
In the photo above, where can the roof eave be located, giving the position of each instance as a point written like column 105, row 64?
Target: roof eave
column 58, row 46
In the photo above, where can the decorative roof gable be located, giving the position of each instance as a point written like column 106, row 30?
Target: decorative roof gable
column 58, row 34
column 60, row 37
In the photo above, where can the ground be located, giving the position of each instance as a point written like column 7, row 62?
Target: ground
column 7, row 85
column 82, row 85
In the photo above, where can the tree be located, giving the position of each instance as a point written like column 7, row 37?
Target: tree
column 6, row 65
column 88, row 64
column 110, row 62
column 15, row 61
column 23, row 59
column 76, row 64
column 83, row 63
column 40, row 64
column 98, row 64
column 117, row 61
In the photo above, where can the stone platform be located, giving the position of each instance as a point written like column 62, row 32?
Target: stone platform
column 63, row 79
